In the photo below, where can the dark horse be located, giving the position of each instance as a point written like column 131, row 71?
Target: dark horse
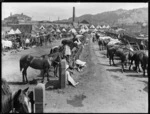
column 59, row 52
column 103, row 43
column 140, row 57
column 41, row 63
column 57, row 49
column 17, row 102
column 72, row 45
column 56, row 59
column 123, row 52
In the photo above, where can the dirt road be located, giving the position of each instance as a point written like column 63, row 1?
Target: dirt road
column 102, row 88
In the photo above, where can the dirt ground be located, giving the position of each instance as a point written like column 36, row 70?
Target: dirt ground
column 102, row 88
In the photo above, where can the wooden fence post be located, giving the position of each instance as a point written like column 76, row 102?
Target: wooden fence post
column 39, row 98
column 62, row 74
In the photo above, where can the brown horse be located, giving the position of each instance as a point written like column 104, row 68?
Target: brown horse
column 41, row 63
column 17, row 102
column 140, row 57
column 123, row 52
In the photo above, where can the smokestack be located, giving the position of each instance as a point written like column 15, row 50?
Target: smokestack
column 73, row 14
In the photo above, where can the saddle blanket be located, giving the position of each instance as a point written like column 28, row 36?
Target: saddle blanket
column 79, row 62
column 67, row 50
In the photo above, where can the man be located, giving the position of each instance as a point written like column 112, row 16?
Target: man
column 67, row 53
column 68, row 76
column 142, row 46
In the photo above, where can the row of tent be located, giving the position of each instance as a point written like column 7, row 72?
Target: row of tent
column 98, row 26
column 11, row 32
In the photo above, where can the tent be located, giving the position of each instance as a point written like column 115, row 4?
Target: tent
column 104, row 26
column 92, row 26
column 52, row 30
column 17, row 31
column 42, row 27
column 72, row 30
column 64, row 29
column 95, row 30
column 11, row 32
column 58, row 30
column 98, row 27
column 82, row 31
column 108, row 26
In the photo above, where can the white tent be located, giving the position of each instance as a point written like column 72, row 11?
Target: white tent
column 17, row 31
column 98, row 27
column 95, row 30
column 58, row 30
column 108, row 26
column 42, row 27
column 52, row 30
column 104, row 26
column 64, row 29
column 82, row 31
column 72, row 30
column 92, row 26
column 11, row 32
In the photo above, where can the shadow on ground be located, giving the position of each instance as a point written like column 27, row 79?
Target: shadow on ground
column 114, row 70
column 146, row 87
column 137, row 75
column 16, row 83
column 52, row 84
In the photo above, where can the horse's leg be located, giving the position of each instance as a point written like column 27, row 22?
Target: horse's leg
column 130, row 64
column 110, row 60
column 55, row 73
column 141, row 66
column 122, row 62
column 47, row 71
column 144, row 70
column 56, row 70
column 136, row 66
column 23, row 76
column 43, row 75
column 122, row 67
column 113, row 60
column 25, row 72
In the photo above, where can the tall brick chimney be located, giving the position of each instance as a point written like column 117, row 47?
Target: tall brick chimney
column 73, row 18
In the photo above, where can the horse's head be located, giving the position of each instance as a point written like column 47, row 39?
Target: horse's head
column 21, row 101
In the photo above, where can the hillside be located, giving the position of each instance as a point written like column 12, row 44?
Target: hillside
column 117, row 17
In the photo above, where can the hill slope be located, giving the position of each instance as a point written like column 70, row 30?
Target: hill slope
column 116, row 17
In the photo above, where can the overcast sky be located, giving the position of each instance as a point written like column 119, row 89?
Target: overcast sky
column 49, row 10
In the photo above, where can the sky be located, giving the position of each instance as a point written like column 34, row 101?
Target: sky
column 53, row 11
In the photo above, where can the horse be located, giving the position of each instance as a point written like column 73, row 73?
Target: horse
column 40, row 63
column 57, row 49
column 123, row 52
column 56, row 59
column 17, row 102
column 140, row 57
column 59, row 52
column 100, row 44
